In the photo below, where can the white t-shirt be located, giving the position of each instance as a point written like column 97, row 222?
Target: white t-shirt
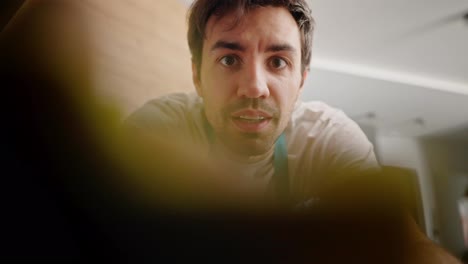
column 320, row 140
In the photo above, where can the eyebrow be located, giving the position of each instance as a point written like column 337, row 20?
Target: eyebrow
column 227, row 45
column 221, row 44
column 281, row 47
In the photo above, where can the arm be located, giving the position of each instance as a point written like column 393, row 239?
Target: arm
column 422, row 250
column 356, row 179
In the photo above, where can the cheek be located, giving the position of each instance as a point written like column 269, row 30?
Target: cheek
column 286, row 91
column 214, row 98
column 219, row 89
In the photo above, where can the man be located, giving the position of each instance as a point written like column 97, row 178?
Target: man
column 250, row 60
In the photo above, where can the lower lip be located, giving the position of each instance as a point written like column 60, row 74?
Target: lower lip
column 250, row 126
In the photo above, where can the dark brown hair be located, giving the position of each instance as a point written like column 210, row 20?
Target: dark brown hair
column 202, row 10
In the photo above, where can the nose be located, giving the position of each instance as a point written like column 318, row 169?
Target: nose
column 253, row 82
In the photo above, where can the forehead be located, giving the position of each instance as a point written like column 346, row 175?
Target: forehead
column 261, row 24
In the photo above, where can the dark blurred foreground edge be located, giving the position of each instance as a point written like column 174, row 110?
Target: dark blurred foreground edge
column 59, row 201
column 59, row 204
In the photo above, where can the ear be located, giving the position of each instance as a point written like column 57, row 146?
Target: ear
column 304, row 77
column 196, row 79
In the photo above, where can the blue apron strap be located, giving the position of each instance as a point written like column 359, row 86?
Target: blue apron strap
column 281, row 177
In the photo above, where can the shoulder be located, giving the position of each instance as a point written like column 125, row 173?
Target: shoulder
column 317, row 117
column 170, row 104
column 171, row 108
column 329, row 136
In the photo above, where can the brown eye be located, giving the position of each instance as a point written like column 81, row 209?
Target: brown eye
column 278, row 63
column 229, row 60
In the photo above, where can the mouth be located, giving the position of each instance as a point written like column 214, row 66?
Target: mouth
column 251, row 121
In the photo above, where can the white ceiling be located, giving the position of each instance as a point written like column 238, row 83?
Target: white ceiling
column 412, row 37
column 401, row 60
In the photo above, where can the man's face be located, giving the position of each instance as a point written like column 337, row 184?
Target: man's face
column 250, row 77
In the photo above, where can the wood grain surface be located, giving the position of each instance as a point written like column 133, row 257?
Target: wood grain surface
column 140, row 49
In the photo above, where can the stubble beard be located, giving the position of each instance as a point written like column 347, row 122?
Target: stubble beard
column 249, row 144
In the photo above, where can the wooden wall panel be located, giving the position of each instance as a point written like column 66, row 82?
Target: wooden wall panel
column 140, row 49
column 137, row 48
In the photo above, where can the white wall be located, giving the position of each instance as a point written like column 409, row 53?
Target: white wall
column 407, row 152
column 448, row 164
column 453, row 188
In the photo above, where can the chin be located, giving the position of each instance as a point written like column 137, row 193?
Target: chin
column 253, row 147
column 249, row 144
